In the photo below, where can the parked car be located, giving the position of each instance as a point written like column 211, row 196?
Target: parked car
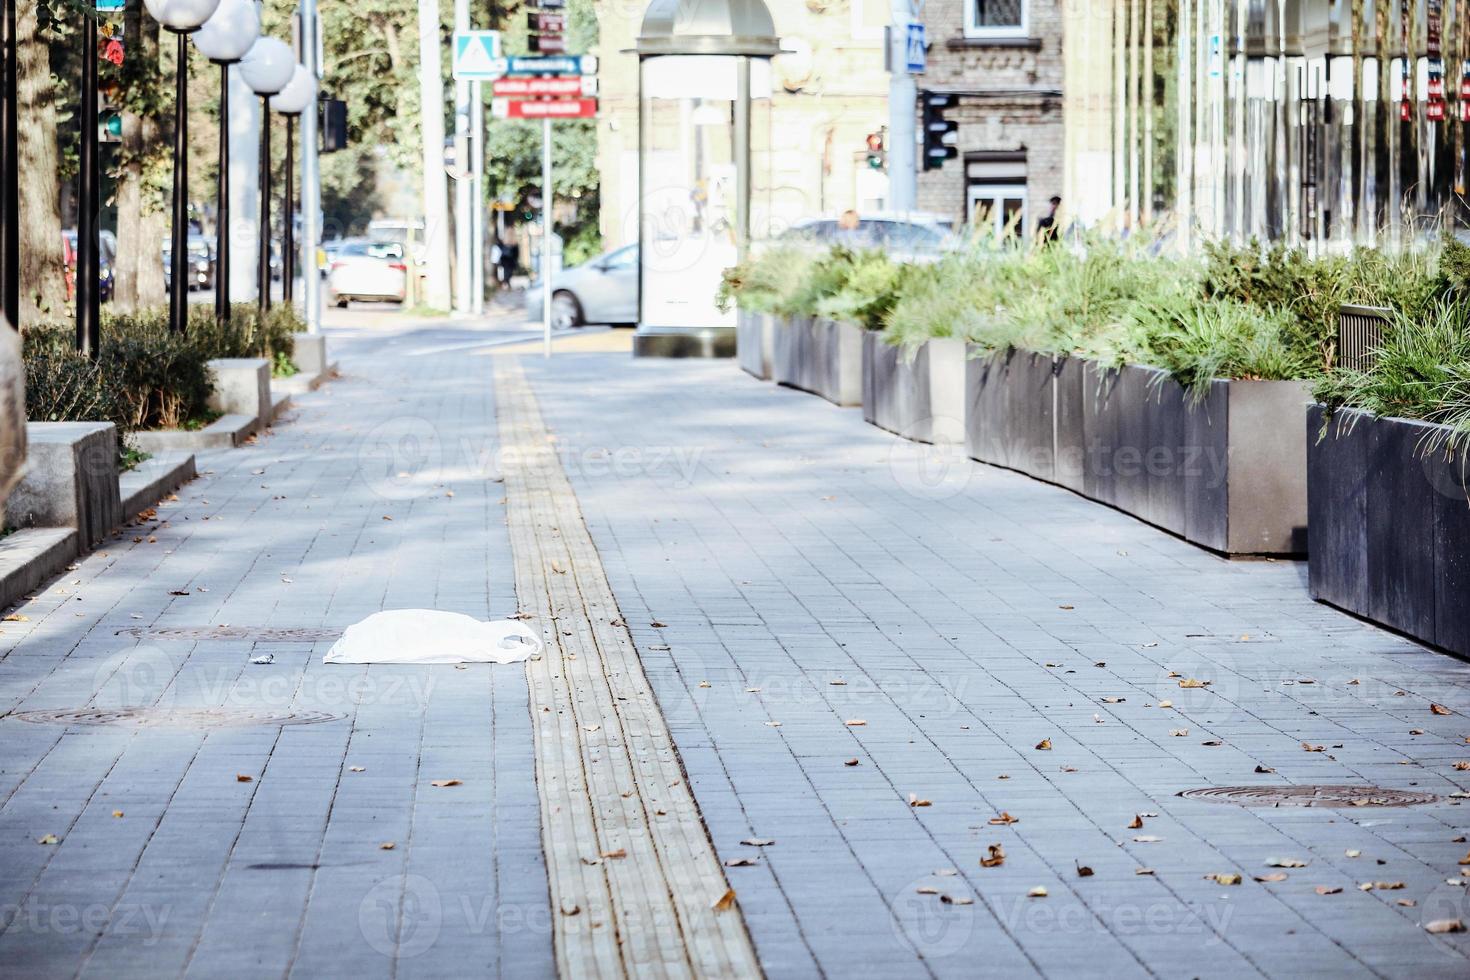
column 912, row 237
column 200, row 264
column 368, row 271
column 604, row 290
column 106, row 257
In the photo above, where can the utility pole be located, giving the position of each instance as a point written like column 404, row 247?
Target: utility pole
column 89, row 336
column 436, row 181
column 546, row 212
column 903, row 180
column 9, row 172
column 311, row 178
column 477, row 198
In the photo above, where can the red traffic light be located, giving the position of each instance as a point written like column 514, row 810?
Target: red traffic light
column 875, row 142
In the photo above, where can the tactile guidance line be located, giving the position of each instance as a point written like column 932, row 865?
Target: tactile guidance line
column 636, row 886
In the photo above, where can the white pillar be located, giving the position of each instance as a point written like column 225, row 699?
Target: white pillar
column 436, row 182
column 477, row 199
column 244, row 125
column 463, row 252
column 903, row 175
column 311, row 184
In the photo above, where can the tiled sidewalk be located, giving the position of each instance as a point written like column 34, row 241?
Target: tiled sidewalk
column 167, row 860
column 810, row 581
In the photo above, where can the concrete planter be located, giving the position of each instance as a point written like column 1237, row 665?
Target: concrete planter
column 70, row 480
column 1390, row 527
column 1226, row 471
column 820, row 356
column 242, row 386
column 920, row 397
column 755, row 343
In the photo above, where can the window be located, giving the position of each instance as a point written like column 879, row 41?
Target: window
column 995, row 18
column 995, row 191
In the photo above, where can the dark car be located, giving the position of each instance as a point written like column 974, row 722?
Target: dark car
column 200, row 264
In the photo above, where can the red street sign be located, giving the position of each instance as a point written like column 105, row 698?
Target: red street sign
column 543, row 23
column 549, row 109
column 548, row 44
column 560, row 85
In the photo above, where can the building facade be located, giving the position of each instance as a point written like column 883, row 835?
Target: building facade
column 1003, row 61
column 1319, row 123
column 824, row 94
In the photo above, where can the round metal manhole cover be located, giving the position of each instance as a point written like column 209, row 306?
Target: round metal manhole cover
column 185, row 718
column 255, row 634
column 1323, row 796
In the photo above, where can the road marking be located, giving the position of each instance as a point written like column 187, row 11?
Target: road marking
column 634, row 878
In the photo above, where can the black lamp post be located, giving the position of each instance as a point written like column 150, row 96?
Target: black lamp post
column 298, row 95
column 267, row 69
column 9, row 174
column 225, row 39
column 182, row 18
column 89, row 311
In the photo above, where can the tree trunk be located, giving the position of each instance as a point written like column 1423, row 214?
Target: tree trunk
column 142, row 222
column 436, row 182
column 42, row 266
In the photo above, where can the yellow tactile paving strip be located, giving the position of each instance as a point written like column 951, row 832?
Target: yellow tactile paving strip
column 589, row 342
column 636, row 886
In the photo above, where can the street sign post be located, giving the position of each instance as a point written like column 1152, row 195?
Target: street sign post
column 555, row 64
column 543, row 109
column 915, row 50
column 477, row 55
column 561, row 86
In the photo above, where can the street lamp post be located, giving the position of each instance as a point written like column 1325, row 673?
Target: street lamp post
column 224, row 39
column 267, row 69
column 9, row 174
column 181, row 18
column 89, row 204
column 292, row 101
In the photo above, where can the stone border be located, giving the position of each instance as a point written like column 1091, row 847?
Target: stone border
column 755, row 343
column 225, row 432
column 1226, row 471
column 1390, row 527
column 153, row 479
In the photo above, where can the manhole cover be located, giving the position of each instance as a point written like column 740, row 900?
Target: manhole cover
column 1326, row 796
column 255, row 634
column 190, row 718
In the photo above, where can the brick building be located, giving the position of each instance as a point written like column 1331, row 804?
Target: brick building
column 1003, row 58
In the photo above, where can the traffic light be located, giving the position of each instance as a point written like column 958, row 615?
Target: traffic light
column 334, row 125
column 877, row 155
column 940, row 134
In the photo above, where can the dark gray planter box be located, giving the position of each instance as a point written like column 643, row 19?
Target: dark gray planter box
column 820, row 356
column 755, row 342
column 1226, row 471
column 70, row 480
column 1390, row 526
column 920, row 396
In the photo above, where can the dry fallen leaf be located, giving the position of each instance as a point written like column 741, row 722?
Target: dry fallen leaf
column 725, row 901
column 242, row 778
column 850, row 762
column 387, row 846
column 1136, row 823
column 1407, row 903
column 1213, row 742
column 1273, row 876
column 1038, row 892
column 446, row 782
column 1166, row 703
column 927, row 890
column 1352, row 853
column 996, row 857
column 773, row 724
column 956, row 900
column 1083, row 871
column 947, row 872
column 1190, row 682
column 855, row 723
column 357, row 769
column 21, row 618
column 659, row 626
column 1463, row 765
column 1143, row 871
column 1441, row 926
column 1327, row 889
column 1264, row 769
column 1004, row 820
column 740, row 862
column 1309, row 747
column 704, row 683
column 621, row 852
column 1285, row 863
column 1178, row 732
column 1044, row 745
column 1440, row 709
column 915, row 801
column 1147, row 839
column 1224, row 878
column 1111, row 700
column 117, row 813
column 758, row 842
column 575, row 909
column 48, row 839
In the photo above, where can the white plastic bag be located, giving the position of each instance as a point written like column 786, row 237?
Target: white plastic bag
column 426, row 636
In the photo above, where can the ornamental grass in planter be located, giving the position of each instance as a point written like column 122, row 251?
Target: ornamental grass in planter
column 1387, row 479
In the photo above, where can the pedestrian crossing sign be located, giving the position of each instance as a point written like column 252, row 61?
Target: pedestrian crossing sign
column 915, row 50
column 477, row 55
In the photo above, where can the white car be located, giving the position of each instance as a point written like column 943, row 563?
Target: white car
column 367, row 271
column 604, row 290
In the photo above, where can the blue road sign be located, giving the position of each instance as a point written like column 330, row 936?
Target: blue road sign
column 554, row 64
column 915, row 51
column 477, row 54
